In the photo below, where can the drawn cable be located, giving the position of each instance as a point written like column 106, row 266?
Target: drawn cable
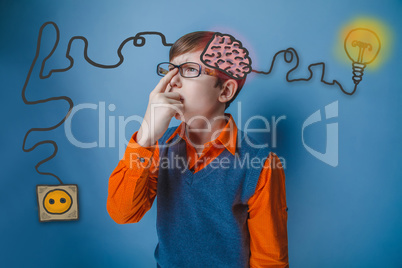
column 292, row 52
column 138, row 41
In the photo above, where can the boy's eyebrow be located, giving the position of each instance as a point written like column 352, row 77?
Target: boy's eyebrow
column 185, row 60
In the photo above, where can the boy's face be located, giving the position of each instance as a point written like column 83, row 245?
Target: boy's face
column 199, row 94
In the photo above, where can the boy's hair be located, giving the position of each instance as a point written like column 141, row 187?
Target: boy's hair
column 197, row 41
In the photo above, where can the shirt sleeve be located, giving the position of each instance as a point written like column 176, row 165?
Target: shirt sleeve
column 133, row 183
column 267, row 221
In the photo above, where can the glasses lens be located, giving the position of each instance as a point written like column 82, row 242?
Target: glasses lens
column 164, row 68
column 190, row 69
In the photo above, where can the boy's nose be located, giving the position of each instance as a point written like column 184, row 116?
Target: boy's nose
column 176, row 81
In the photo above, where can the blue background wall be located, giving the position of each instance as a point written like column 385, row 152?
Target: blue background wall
column 343, row 216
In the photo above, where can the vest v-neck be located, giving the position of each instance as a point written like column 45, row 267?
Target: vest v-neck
column 191, row 177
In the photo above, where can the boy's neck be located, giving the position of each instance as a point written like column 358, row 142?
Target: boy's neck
column 200, row 132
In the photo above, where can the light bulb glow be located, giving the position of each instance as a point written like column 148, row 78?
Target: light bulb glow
column 385, row 33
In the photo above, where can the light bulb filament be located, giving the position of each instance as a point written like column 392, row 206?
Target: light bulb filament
column 362, row 46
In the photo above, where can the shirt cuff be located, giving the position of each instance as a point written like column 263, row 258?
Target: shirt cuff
column 136, row 156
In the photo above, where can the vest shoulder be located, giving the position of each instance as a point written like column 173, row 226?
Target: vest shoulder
column 247, row 144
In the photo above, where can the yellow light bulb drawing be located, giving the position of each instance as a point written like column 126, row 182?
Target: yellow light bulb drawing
column 362, row 47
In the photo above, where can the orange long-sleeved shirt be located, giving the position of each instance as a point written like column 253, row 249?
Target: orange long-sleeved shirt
column 133, row 184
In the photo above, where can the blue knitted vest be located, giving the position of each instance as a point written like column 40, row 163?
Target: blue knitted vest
column 202, row 216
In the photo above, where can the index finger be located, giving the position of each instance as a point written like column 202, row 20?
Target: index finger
column 163, row 83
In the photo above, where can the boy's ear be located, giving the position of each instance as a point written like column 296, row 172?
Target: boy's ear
column 229, row 89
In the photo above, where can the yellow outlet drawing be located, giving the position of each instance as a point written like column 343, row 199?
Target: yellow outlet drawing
column 57, row 201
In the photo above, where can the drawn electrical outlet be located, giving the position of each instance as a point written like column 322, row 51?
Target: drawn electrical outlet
column 57, row 202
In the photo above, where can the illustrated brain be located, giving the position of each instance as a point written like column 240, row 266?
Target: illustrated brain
column 225, row 53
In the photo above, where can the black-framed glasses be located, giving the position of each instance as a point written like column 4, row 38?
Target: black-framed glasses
column 186, row 70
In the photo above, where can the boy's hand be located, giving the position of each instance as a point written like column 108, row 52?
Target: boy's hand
column 162, row 106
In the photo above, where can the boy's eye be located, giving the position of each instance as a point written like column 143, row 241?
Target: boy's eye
column 190, row 70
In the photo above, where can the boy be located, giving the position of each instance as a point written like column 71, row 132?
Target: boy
column 213, row 209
